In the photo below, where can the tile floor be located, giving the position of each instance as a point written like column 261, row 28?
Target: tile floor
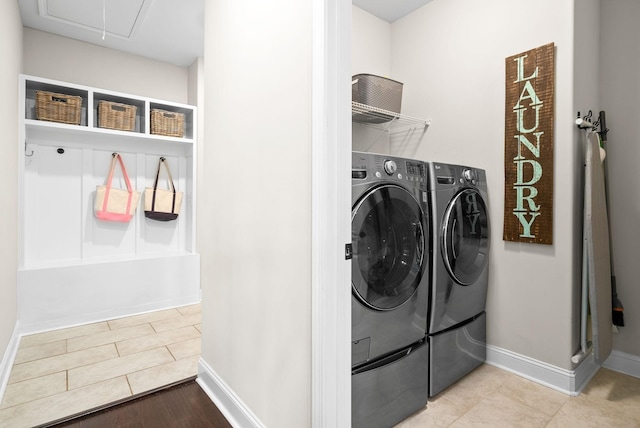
column 491, row 397
column 63, row 372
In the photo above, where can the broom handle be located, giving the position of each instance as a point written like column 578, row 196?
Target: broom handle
column 603, row 136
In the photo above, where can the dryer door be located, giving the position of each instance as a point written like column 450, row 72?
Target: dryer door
column 389, row 242
column 465, row 236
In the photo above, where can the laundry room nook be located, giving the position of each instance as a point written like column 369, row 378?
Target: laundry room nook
column 486, row 288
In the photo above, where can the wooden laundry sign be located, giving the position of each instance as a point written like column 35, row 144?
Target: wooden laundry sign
column 528, row 146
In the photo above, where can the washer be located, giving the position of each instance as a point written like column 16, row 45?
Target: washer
column 457, row 319
column 390, row 288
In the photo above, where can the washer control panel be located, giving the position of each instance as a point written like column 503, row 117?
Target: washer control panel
column 388, row 167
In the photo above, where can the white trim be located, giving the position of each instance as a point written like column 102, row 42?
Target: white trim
column 78, row 320
column 570, row 382
column 9, row 357
column 230, row 405
column 624, row 363
column 330, row 223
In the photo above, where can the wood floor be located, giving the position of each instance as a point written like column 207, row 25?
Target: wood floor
column 181, row 406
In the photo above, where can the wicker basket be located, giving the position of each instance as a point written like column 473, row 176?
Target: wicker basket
column 167, row 123
column 58, row 107
column 116, row 116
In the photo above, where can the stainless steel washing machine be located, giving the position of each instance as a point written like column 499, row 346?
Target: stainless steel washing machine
column 390, row 288
column 457, row 319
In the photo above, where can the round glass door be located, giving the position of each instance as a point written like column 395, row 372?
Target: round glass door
column 466, row 236
column 388, row 240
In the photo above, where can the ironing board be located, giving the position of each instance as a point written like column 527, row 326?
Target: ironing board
column 596, row 236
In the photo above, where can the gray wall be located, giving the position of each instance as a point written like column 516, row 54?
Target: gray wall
column 452, row 66
column 11, row 48
column 452, row 63
column 255, row 205
column 60, row 58
column 620, row 95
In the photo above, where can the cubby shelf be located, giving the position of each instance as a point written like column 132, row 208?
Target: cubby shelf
column 73, row 267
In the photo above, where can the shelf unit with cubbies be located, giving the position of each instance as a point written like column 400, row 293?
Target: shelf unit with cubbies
column 74, row 268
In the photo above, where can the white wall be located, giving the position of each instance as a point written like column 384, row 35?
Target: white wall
column 370, row 44
column 11, row 48
column 450, row 54
column 620, row 95
column 255, row 207
column 60, row 58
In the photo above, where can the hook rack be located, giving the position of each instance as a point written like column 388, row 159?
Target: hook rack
column 584, row 122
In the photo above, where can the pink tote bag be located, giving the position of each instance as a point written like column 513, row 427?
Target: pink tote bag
column 114, row 204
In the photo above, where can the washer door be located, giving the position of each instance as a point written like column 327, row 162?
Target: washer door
column 465, row 236
column 388, row 241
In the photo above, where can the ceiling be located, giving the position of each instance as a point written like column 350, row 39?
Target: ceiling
column 167, row 30
column 390, row 10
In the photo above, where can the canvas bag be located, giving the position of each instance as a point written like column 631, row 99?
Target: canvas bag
column 162, row 204
column 114, row 204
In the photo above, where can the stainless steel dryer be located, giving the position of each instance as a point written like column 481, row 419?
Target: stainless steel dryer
column 457, row 319
column 390, row 288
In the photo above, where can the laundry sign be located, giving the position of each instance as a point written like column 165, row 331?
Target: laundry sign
column 528, row 146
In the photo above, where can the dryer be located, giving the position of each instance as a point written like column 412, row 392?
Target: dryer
column 390, row 270
column 457, row 319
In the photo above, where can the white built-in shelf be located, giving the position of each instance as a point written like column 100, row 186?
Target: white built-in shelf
column 73, row 267
column 91, row 98
column 52, row 134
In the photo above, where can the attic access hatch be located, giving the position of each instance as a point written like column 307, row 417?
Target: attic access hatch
column 119, row 18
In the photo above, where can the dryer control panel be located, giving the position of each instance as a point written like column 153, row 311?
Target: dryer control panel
column 446, row 176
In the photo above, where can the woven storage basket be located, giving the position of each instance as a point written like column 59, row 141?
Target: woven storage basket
column 58, row 107
column 167, row 123
column 116, row 116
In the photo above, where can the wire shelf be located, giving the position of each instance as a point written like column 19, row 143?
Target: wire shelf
column 368, row 114
column 401, row 133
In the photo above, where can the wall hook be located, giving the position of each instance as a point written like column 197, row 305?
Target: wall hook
column 27, row 154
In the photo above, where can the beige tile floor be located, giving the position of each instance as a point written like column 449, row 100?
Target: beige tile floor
column 491, row 397
column 63, row 372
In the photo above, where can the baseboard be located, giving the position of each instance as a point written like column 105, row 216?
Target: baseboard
column 624, row 363
column 570, row 382
column 9, row 357
column 110, row 314
column 231, row 406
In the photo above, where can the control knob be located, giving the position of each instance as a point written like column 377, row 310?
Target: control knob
column 468, row 175
column 390, row 167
